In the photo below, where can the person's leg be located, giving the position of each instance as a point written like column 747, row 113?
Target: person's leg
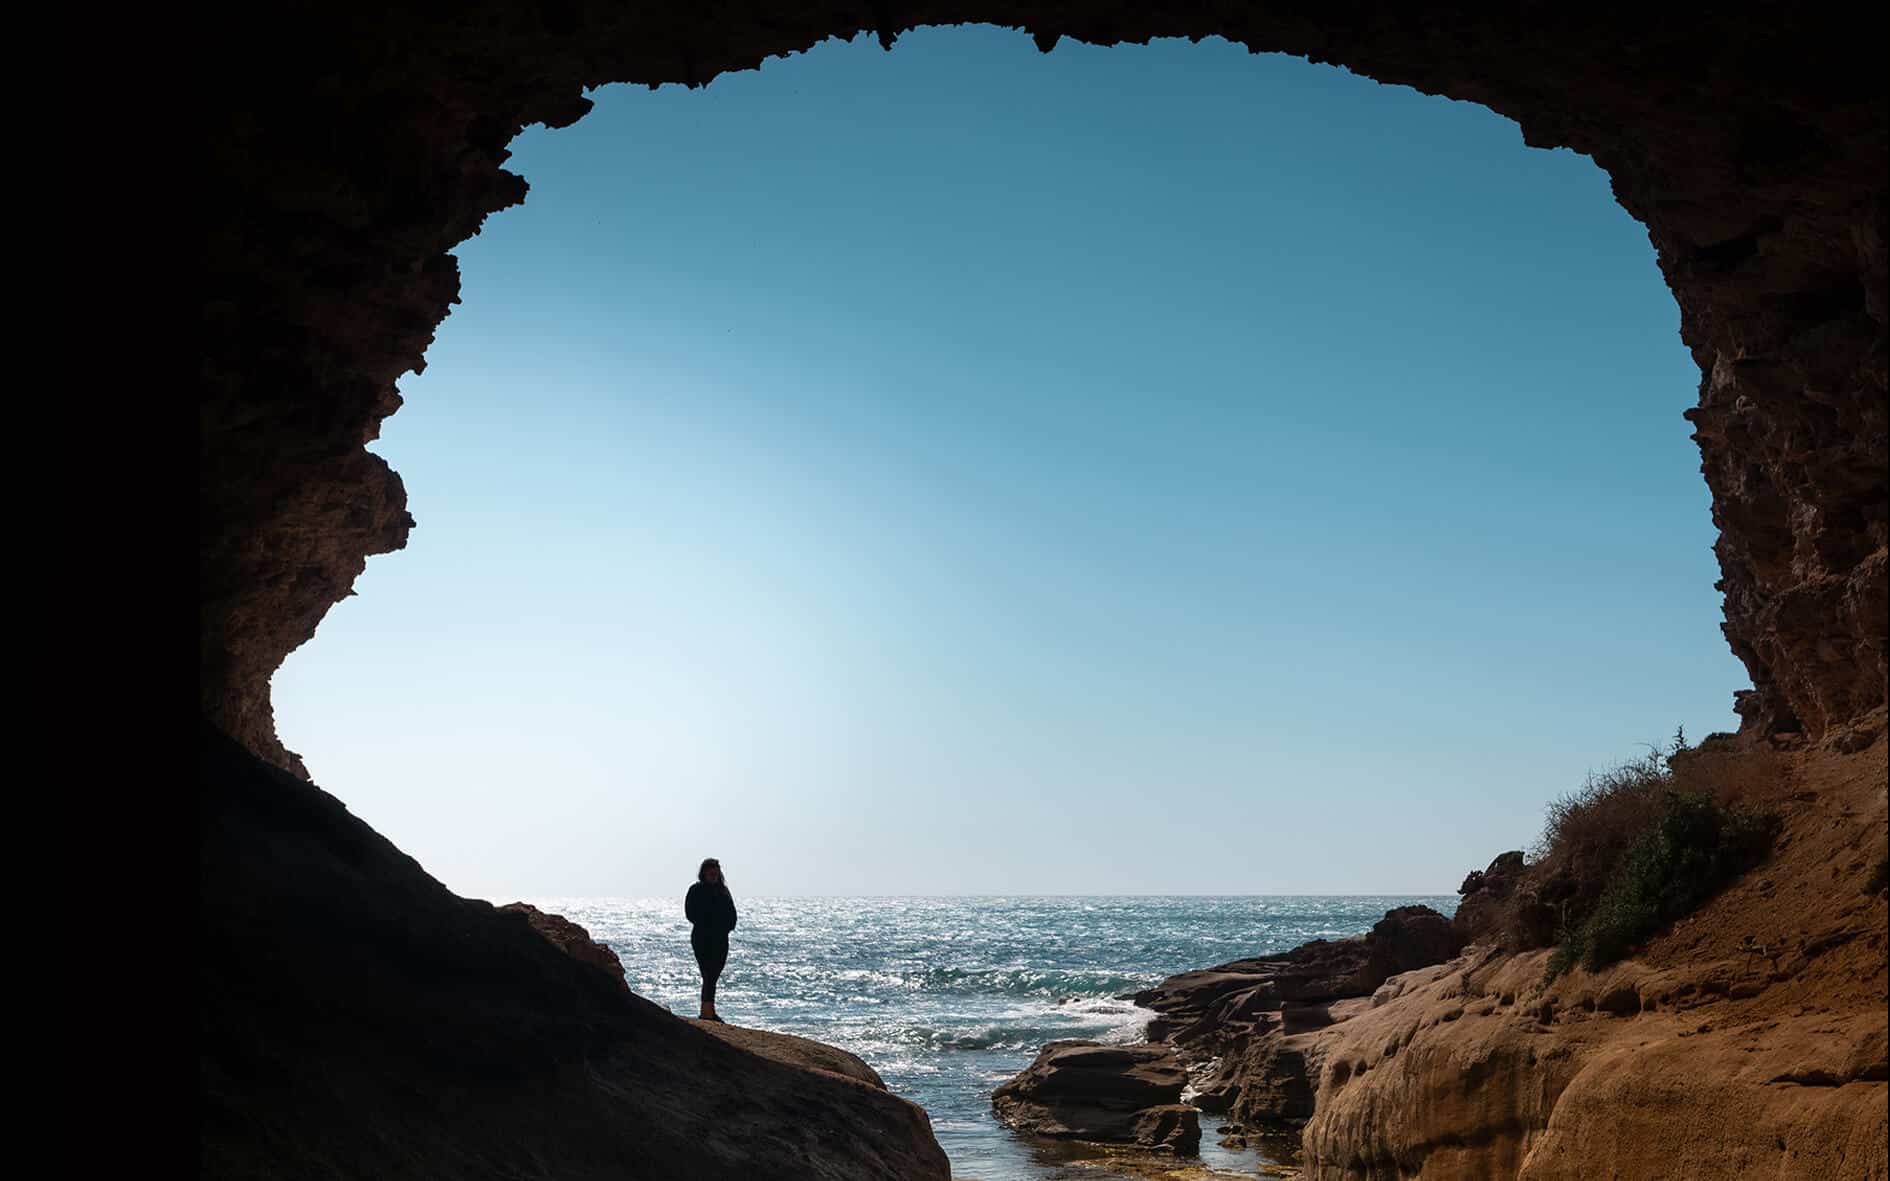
column 711, row 960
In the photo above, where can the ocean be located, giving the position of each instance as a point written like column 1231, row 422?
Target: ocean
column 948, row 997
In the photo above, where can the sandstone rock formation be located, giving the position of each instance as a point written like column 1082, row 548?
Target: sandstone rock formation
column 348, row 147
column 1215, row 1003
column 1085, row 1090
column 1247, row 1027
column 1704, row 1056
column 1233, row 1035
column 1750, row 1040
column 358, row 1020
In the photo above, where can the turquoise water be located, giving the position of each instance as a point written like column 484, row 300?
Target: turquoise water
column 948, row 997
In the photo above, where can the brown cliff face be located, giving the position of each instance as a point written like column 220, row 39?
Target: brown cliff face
column 1747, row 1040
column 350, row 146
column 1701, row 1056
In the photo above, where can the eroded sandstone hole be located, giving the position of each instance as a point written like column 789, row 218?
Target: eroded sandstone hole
column 743, row 289
column 349, row 150
column 1758, row 178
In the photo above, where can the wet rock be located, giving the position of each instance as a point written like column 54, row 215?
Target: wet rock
column 1217, row 1087
column 1173, row 1126
column 1088, row 1091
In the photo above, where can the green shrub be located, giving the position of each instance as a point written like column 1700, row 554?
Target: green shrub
column 1695, row 847
column 1586, row 834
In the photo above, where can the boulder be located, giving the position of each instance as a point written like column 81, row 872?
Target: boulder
column 1486, row 898
column 1406, row 938
column 1084, row 1090
column 1219, row 1010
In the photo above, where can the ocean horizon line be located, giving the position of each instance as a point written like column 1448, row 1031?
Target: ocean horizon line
column 1007, row 894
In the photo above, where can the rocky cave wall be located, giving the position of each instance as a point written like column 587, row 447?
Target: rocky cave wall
column 349, row 146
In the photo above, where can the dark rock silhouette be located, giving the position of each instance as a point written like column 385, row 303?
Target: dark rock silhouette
column 349, row 146
column 359, row 1020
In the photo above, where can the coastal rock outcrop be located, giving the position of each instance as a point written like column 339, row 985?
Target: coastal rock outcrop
column 1749, row 1039
column 570, row 938
column 1249, row 1029
column 1214, row 1005
column 354, row 1012
column 1232, row 1038
column 1485, row 897
column 1085, row 1090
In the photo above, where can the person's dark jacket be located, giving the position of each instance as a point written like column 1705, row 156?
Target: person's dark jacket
column 711, row 909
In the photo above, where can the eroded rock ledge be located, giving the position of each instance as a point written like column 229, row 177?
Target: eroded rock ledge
column 348, row 146
column 1699, row 1057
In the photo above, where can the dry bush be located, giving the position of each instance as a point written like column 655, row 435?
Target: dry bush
column 1592, row 833
column 1588, row 829
column 1693, row 849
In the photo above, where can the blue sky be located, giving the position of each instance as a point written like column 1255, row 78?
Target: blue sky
column 969, row 470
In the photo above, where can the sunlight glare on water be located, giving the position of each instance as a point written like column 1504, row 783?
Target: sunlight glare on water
column 948, row 997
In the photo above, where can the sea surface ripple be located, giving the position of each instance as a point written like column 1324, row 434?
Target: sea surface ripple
column 948, row 997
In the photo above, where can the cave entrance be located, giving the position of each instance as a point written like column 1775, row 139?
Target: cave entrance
column 922, row 438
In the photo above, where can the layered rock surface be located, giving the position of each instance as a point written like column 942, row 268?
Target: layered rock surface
column 1234, row 1024
column 358, row 1020
column 1749, row 1040
column 1248, row 1026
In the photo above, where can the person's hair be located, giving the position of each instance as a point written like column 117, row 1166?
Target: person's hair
column 702, row 872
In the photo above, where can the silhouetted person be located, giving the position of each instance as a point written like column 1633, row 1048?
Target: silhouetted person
column 711, row 911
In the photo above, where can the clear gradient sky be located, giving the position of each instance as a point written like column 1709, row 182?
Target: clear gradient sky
column 966, row 470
